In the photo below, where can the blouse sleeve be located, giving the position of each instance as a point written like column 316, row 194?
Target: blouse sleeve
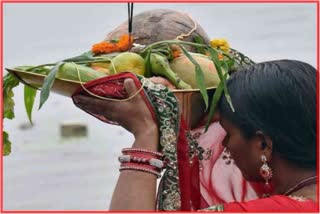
column 277, row 203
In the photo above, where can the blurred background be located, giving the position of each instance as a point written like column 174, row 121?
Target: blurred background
column 48, row 172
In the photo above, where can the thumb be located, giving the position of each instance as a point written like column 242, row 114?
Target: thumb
column 130, row 86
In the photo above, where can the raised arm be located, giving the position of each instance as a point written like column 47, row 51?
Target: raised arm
column 135, row 190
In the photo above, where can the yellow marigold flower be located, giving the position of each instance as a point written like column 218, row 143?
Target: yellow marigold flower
column 221, row 44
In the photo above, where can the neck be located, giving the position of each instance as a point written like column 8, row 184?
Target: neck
column 286, row 176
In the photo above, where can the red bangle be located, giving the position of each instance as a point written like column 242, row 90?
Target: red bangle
column 140, row 155
column 137, row 167
column 142, row 151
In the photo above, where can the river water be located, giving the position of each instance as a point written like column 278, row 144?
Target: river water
column 47, row 172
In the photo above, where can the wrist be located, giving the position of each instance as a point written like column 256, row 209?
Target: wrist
column 148, row 138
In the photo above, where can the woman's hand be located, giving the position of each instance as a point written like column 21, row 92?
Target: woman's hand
column 132, row 114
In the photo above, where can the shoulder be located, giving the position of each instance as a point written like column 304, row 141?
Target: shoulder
column 277, row 203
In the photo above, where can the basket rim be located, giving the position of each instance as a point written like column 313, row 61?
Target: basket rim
column 10, row 70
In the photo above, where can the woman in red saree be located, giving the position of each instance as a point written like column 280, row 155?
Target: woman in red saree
column 269, row 141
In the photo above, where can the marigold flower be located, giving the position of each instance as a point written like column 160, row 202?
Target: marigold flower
column 123, row 44
column 103, row 47
column 176, row 53
column 221, row 44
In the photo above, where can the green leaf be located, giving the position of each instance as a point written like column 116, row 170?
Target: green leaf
column 87, row 56
column 199, row 77
column 231, row 64
column 114, row 40
column 48, row 82
column 199, row 40
column 29, row 97
column 243, row 59
column 214, row 102
column 6, row 146
column 41, row 70
column 34, row 69
column 224, row 66
column 9, row 82
column 214, row 57
column 148, row 64
column 221, row 71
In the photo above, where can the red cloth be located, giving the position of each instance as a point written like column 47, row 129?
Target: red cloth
column 277, row 203
column 112, row 87
column 188, row 173
column 221, row 183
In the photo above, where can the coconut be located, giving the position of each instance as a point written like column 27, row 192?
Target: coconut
column 160, row 24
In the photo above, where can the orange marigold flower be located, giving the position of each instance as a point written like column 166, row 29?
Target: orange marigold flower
column 123, row 44
column 176, row 53
column 175, row 50
column 103, row 47
column 220, row 56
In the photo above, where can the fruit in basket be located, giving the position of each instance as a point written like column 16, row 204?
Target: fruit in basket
column 160, row 66
column 185, row 69
column 128, row 61
column 102, row 70
column 100, row 64
column 72, row 71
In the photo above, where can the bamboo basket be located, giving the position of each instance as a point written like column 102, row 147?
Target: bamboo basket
column 190, row 101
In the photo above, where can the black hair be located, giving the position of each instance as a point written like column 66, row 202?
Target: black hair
column 279, row 99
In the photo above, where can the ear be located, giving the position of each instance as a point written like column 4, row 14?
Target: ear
column 263, row 145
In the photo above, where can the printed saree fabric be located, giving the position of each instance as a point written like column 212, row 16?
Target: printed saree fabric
column 220, row 182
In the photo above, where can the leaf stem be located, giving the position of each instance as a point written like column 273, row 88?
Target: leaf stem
column 167, row 42
column 79, row 62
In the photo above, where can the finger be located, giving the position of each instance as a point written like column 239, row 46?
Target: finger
column 77, row 99
column 130, row 86
column 82, row 100
column 92, row 104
